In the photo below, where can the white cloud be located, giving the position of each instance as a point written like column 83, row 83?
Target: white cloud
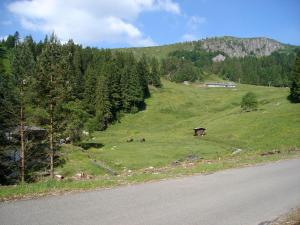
column 193, row 25
column 169, row 6
column 90, row 21
column 189, row 37
column 194, row 22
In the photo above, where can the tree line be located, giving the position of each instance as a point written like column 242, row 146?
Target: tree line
column 67, row 90
column 273, row 70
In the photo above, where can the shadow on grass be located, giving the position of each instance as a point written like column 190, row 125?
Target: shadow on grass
column 87, row 145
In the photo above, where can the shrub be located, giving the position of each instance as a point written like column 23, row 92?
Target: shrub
column 249, row 102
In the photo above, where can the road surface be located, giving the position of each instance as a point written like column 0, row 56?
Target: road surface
column 246, row 196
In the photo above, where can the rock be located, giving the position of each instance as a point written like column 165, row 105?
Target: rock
column 129, row 140
column 192, row 158
column 293, row 149
column 150, row 169
column 175, row 163
column 241, row 47
column 218, row 58
column 59, row 177
column 237, row 151
column 89, row 177
column 80, row 176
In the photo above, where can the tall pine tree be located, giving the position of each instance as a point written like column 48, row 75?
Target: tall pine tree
column 22, row 70
column 154, row 78
column 295, row 86
column 131, row 89
column 143, row 73
column 52, row 90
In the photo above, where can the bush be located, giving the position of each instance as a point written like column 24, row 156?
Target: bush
column 249, row 102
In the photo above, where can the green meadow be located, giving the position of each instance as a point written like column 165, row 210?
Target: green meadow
column 170, row 149
column 167, row 127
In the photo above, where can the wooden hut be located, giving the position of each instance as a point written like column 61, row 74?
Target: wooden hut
column 199, row 131
column 30, row 133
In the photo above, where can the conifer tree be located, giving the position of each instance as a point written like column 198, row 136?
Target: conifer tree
column 295, row 86
column 143, row 73
column 132, row 93
column 78, row 73
column 8, row 121
column 52, row 89
column 103, row 105
column 154, row 78
column 22, row 69
column 90, row 80
column 113, row 78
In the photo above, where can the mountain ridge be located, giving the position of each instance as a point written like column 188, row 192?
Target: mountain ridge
column 229, row 45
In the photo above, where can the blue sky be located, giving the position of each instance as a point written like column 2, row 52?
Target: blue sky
column 126, row 23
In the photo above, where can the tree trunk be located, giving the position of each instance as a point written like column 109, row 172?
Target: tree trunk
column 22, row 148
column 51, row 142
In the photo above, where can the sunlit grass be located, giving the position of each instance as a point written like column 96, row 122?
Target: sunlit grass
column 167, row 126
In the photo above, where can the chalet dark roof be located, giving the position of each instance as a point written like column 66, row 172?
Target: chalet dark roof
column 199, row 128
column 29, row 129
column 30, row 133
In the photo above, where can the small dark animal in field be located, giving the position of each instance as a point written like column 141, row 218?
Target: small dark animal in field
column 129, row 140
column 142, row 140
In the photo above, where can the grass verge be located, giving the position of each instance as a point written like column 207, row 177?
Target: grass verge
column 54, row 187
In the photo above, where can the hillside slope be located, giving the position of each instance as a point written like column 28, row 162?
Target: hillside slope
column 232, row 46
column 167, row 126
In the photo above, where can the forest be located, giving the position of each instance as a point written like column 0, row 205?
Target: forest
column 52, row 93
column 273, row 70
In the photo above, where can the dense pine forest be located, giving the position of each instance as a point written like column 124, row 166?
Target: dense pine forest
column 273, row 70
column 65, row 90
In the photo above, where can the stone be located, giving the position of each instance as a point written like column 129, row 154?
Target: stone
column 237, row 151
column 59, row 177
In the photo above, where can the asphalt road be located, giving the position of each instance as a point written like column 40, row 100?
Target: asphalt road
column 246, row 196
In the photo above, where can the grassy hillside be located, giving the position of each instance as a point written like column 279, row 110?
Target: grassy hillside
column 167, row 126
column 159, row 52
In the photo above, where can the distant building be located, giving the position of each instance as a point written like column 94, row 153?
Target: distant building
column 30, row 133
column 218, row 58
column 221, row 84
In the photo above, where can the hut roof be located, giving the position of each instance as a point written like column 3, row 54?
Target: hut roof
column 199, row 128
